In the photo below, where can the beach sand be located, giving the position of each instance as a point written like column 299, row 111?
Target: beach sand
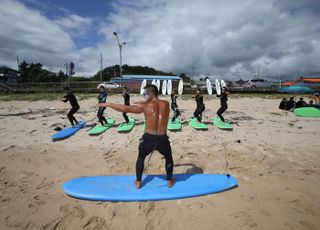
column 276, row 166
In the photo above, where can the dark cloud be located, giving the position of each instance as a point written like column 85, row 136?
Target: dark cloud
column 217, row 37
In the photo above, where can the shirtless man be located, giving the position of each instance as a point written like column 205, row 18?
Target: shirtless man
column 156, row 114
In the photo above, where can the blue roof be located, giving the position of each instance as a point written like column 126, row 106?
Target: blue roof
column 147, row 77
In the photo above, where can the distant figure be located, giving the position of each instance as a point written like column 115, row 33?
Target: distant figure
column 311, row 103
column 174, row 107
column 102, row 99
column 291, row 104
column 200, row 105
column 223, row 103
column 283, row 103
column 317, row 100
column 301, row 103
column 69, row 96
column 126, row 100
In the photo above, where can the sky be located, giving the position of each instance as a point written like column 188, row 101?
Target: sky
column 231, row 38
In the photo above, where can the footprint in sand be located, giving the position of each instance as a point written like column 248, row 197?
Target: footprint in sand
column 9, row 147
column 95, row 223
column 67, row 215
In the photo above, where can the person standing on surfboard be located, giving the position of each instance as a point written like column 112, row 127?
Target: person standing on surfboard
column 174, row 107
column 69, row 96
column 200, row 105
column 102, row 99
column 126, row 98
column 223, row 103
column 156, row 113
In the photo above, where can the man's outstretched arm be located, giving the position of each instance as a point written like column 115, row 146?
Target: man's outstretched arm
column 137, row 108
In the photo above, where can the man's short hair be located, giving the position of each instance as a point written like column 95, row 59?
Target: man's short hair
column 66, row 88
column 153, row 88
column 101, row 87
column 125, row 87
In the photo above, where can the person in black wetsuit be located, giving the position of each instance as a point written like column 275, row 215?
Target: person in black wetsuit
column 223, row 103
column 291, row 104
column 301, row 103
column 311, row 103
column 126, row 100
column 200, row 106
column 102, row 99
column 174, row 107
column 283, row 103
column 69, row 96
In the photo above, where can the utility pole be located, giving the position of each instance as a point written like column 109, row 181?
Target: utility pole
column 193, row 71
column 120, row 44
column 101, row 67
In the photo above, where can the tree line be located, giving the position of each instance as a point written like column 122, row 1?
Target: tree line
column 34, row 72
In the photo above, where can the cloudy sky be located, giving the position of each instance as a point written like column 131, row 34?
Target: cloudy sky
column 229, row 38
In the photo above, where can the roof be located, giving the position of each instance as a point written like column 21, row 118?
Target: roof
column 149, row 77
column 288, row 83
column 311, row 80
column 6, row 67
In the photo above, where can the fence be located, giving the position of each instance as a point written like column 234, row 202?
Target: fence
column 91, row 87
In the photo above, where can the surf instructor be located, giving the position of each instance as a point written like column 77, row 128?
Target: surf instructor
column 156, row 114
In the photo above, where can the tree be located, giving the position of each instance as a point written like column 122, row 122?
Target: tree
column 185, row 77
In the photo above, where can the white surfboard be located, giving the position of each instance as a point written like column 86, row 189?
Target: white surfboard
column 222, row 83
column 153, row 82
column 209, row 87
column 158, row 84
column 169, row 87
column 218, row 87
column 143, row 84
column 164, row 87
column 180, row 87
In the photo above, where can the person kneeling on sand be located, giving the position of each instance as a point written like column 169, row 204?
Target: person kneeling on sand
column 310, row 103
column 283, row 103
column 290, row 105
column 301, row 103
column 317, row 100
column 156, row 113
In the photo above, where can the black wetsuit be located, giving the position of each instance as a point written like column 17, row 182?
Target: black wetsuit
column 126, row 98
column 200, row 108
column 282, row 104
column 149, row 143
column 102, row 99
column 174, row 107
column 290, row 105
column 301, row 104
column 74, row 107
column 223, row 106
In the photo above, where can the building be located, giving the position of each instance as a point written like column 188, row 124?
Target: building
column 8, row 75
column 313, row 83
column 134, row 81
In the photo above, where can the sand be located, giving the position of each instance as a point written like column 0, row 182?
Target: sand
column 276, row 165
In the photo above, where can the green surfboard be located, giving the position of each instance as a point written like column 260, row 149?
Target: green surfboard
column 174, row 126
column 194, row 123
column 98, row 129
column 126, row 127
column 217, row 122
column 307, row 112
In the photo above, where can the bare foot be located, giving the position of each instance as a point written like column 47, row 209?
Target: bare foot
column 137, row 184
column 171, row 182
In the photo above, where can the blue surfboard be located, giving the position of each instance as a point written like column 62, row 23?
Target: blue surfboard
column 154, row 187
column 67, row 132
